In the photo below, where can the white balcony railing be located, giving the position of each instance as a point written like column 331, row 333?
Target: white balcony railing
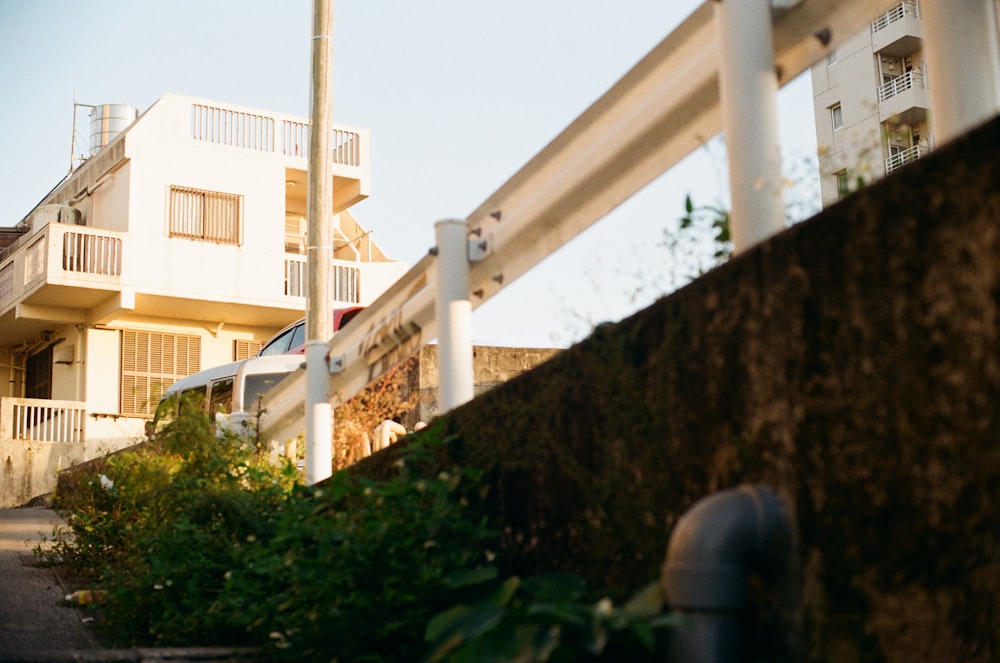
column 346, row 280
column 257, row 132
column 897, row 13
column 62, row 252
column 38, row 420
column 903, row 157
column 911, row 79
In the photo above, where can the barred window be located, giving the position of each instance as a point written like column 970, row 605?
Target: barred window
column 206, row 215
column 151, row 362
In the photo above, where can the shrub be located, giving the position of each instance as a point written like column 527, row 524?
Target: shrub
column 359, row 567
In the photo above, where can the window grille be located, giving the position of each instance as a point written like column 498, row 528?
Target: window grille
column 206, row 215
column 151, row 362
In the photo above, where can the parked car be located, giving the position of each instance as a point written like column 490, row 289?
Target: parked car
column 292, row 339
column 223, row 390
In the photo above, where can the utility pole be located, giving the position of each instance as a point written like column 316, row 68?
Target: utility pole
column 319, row 253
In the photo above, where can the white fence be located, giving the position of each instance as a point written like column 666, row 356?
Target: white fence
column 659, row 112
column 37, row 420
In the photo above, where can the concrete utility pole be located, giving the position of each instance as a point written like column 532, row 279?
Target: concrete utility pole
column 319, row 253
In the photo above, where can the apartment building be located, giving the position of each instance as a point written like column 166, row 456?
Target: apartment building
column 871, row 102
column 177, row 244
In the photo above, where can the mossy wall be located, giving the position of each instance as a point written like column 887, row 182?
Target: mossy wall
column 852, row 362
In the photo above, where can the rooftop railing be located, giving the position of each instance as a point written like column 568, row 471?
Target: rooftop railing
column 262, row 132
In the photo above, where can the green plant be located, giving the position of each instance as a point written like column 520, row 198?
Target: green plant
column 358, row 566
column 547, row 618
column 159, row 527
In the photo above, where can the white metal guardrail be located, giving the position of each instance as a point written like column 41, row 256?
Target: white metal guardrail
column 664, row 108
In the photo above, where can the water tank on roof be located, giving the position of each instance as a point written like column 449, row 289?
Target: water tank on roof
column 107, row 121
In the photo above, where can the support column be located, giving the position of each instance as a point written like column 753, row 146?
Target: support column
column 963, row 62
column 454, row 315
column 748, row 90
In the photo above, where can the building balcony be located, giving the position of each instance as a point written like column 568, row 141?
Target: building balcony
column 904, row 157
column 61, row 274
column 904, row 99
column 899, row 31
column 285, row 136
column 57, row 273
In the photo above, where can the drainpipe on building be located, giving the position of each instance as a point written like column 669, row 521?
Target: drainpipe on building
column 714, row 549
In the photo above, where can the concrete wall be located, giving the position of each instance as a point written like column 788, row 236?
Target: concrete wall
column 491, row 365
column 852, row 362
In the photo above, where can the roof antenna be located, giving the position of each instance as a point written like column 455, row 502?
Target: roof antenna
column 73, row 159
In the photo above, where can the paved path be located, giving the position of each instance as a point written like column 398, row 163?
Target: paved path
column 34, row 625
column 32, row 620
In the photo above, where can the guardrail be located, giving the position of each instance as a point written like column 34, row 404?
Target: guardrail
column 660, row 111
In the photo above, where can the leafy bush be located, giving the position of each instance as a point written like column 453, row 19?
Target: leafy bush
column 196, row 541
column 359, row 567
column 547, row 617
column 160, row 527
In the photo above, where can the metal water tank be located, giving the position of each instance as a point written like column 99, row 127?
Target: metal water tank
column 107, row 121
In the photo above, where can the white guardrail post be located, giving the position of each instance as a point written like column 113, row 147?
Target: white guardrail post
column 963, row 61
column 748, row 91
column 454, row 315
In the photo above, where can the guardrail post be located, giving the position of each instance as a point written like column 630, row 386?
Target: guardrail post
column 748, row 90
column 963, row 59
column 454, row 314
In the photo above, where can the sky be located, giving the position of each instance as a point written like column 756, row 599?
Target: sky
column 458, row 95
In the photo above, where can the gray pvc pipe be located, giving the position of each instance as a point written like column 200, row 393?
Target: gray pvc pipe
column 714, row 548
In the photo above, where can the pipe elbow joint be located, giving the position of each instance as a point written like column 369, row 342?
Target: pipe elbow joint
column 719, row 542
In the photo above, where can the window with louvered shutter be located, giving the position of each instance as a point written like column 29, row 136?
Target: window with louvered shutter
column 151, row 362
column 243, row 349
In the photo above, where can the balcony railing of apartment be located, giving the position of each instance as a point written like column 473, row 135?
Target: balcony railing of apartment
column 900, row 159
column 346, row 280
column 37, row 420
column 62, row 251
column 897, row 13
column 910, row 79
column 256, row 132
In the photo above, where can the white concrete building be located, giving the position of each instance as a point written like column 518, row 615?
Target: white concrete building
column 176, row 245
column 872, row 99
column 871, row 102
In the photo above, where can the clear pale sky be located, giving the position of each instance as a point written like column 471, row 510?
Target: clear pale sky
column 458, row 95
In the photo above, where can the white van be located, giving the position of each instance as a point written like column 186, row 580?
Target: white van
column 226, row 390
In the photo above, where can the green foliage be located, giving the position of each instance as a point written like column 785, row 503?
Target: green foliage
column 546, row 618
column 159, row 528
column 359, row 567
column 195, row 541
